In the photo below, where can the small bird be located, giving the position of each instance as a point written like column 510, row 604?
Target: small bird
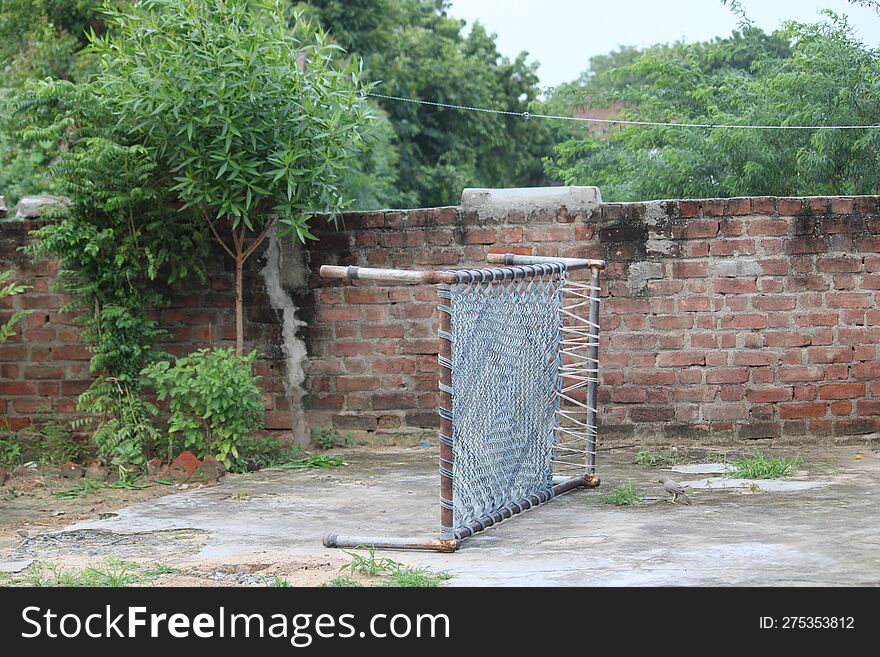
column 24, row 533
column 676, row 489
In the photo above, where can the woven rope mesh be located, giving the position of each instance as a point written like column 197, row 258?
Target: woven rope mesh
column 505, row 384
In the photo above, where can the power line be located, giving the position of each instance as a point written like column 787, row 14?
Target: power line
column 584, row 119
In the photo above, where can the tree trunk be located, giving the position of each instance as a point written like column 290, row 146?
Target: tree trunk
column 239, row 309
column 239, row 254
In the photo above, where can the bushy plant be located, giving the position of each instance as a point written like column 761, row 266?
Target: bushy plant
column 213, row 398
column 258, row 452
column 253, row 120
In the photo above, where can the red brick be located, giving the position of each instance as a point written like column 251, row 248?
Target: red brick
column 841, row 205
column 753, row 358
column 839, row 264
column 480, row 236
column 652, row 414
column 548, row 234
column 794, row 411
column 370, row 330
column 799, row 373
column 867, row 370
column 732, row 247
column 744, row 321
column 681, row 358
column 354, row 383
column 842, row 391
column 858, row 335
column 689, row 269
column 672, row 322
column 394, row 401
column 769, row 395
column 841, row 408
column 817, row 319
column 694, row 304
column 767, row 228
column 628, row 395
column 735, row 285
column 728, row 375
column 868, row 407
column 780, row 339
column 871, row 282
column 419, row 347
column 695, row 230
column 339, row 314
column 789, row 206
column 849, row 300
column 823, row 355
column 739, row 206
column 652, row 377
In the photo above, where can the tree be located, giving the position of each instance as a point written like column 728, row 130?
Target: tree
column 38, row 39
column 805, row 74
column 254, row 121
column 413, row 49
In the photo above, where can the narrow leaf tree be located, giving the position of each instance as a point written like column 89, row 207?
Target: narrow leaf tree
column 255, row 119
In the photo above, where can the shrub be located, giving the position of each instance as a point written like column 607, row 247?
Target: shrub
column 213, row 400
column 258, row 452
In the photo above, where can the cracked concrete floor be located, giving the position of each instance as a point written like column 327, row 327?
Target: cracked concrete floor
column 825, row 535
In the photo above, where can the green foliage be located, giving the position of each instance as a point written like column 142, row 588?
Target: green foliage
column 389, row 572
column 82, row 488
column 11, row 453
column 10, row 290
column 805, row 74
column 341, row 582
column 623, row 495
column 277, row 582
column 38, row 39
column 411, row 48
column 370, row 565
column 259, row 452
column 119, row 235
column 330, row 439
column 108, row 573
column 313, row 461
column 213, row 400
column 243, row 128
column 648, row 458
column 413, row 577
column 758, row 466
column 47, row 441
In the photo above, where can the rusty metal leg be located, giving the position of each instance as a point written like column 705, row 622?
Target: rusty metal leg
column 447, row 530
column 391, row 543
column 592, row 385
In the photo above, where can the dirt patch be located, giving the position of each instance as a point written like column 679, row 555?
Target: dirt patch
column 27, row 504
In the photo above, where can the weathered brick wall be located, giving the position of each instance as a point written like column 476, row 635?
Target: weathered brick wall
column 44, row 366
column 721, row 319
column 738, row 318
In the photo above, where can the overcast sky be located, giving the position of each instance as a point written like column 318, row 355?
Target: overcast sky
column 563, row 34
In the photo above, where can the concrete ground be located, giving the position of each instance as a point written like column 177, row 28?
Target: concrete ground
column 825, row 533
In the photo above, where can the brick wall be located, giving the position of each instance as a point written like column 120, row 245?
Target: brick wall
column 44, row 367
column 735, row 318
column 721, row 319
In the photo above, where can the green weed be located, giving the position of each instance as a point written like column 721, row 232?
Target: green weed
column 758, row 466
column 312, row 461
column 624, row 495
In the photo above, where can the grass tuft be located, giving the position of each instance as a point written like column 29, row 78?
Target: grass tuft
column 385, row 572
column 758, row 466
column 342, row 582
column 113, row 573
column 624, row 495
column 648, row 459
